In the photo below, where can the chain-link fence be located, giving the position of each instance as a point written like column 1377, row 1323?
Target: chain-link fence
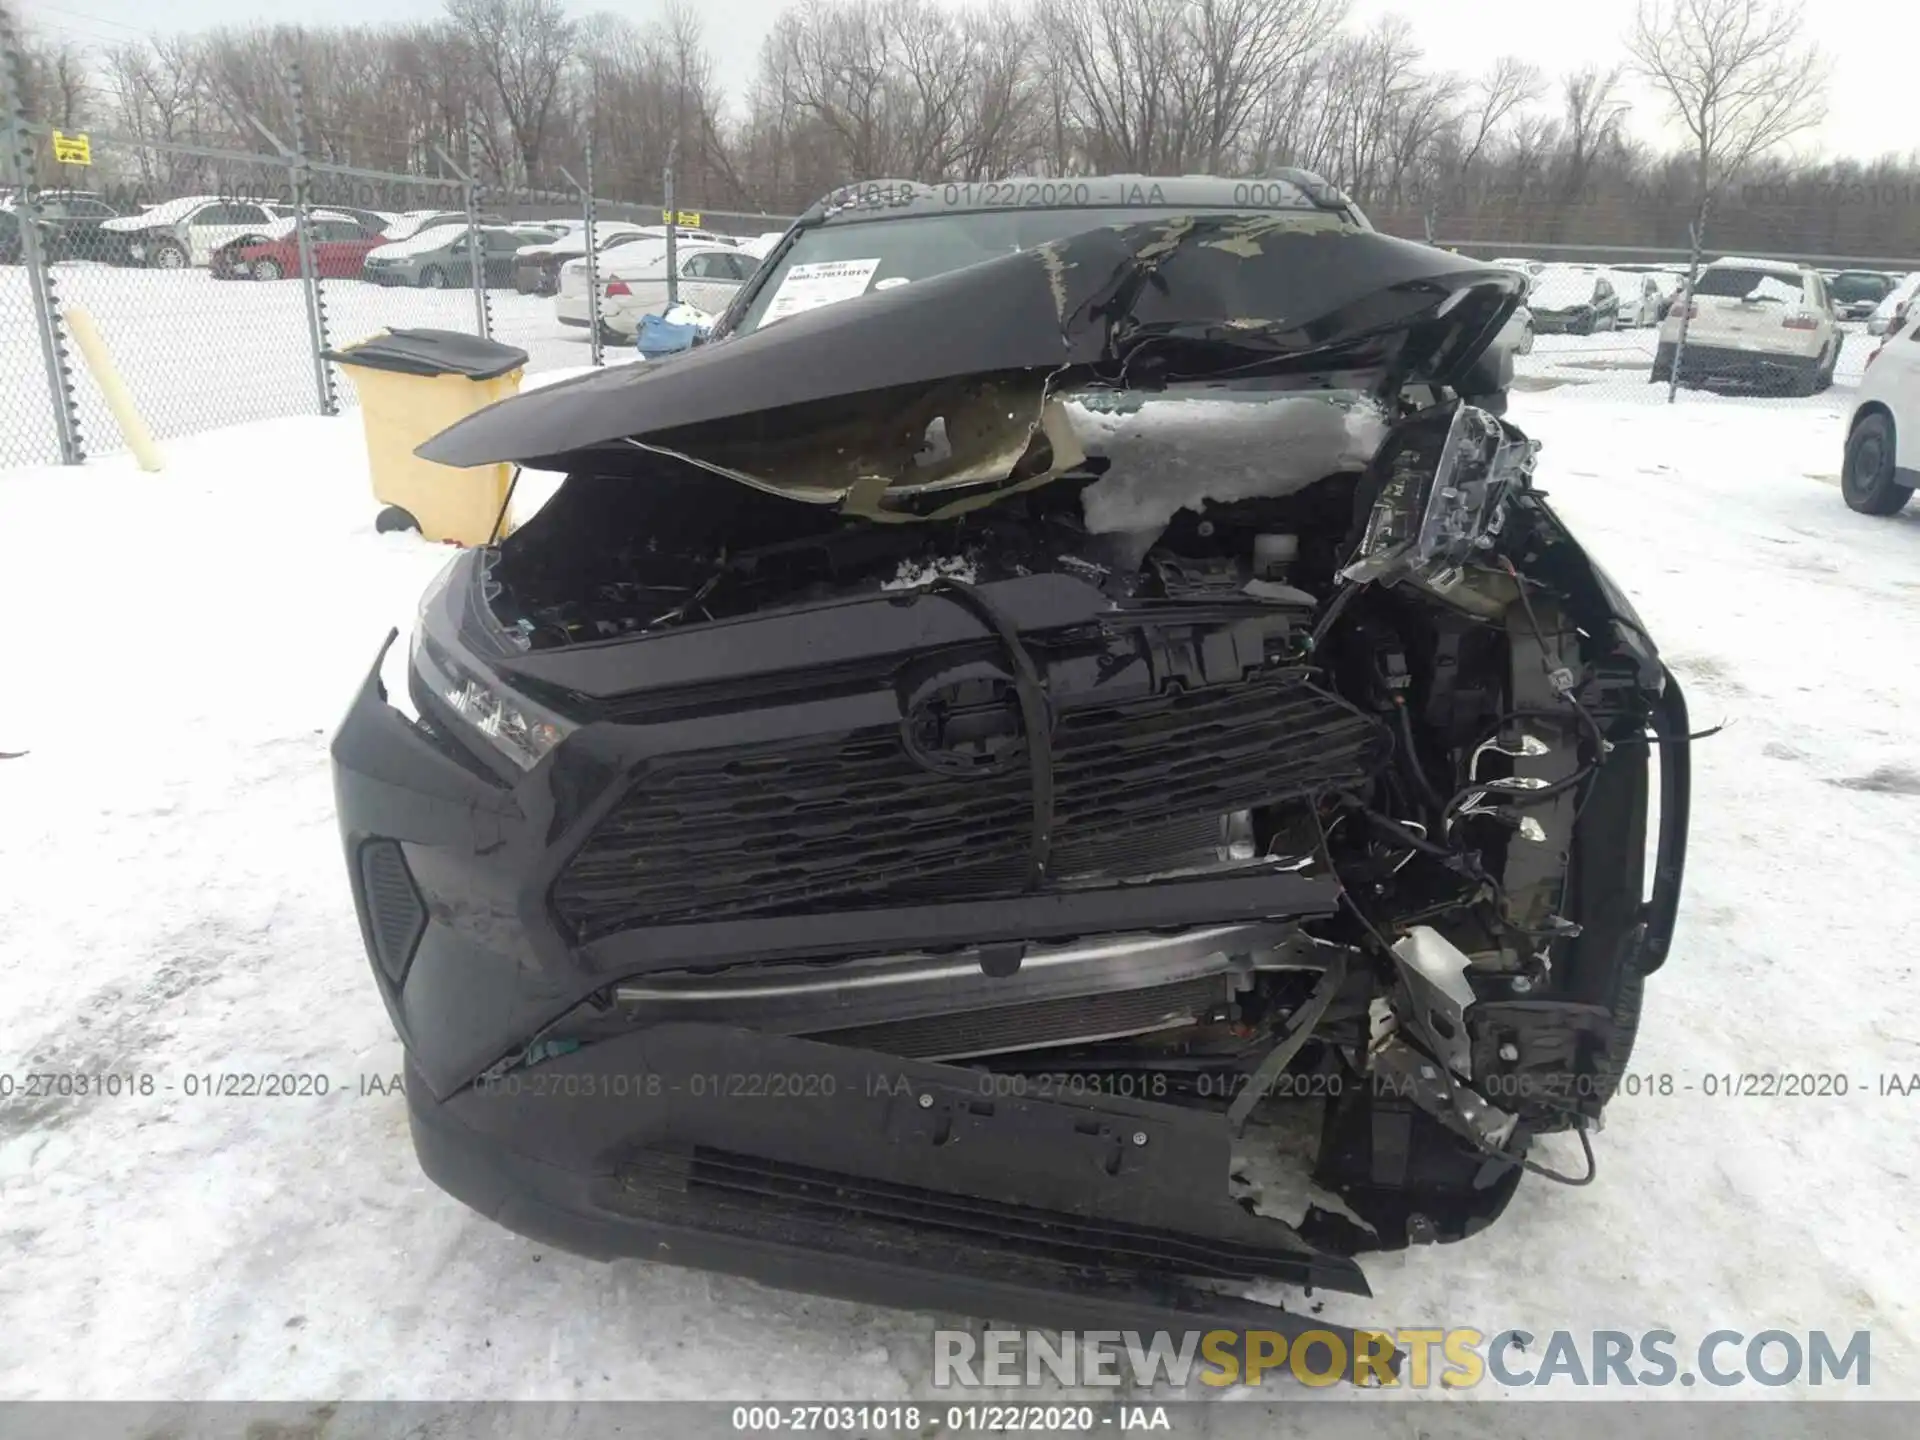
column 203, row 285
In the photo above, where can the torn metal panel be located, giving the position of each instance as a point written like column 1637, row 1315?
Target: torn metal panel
column 867, row 451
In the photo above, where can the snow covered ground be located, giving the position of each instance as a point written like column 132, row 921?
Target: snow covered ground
column 182, row 644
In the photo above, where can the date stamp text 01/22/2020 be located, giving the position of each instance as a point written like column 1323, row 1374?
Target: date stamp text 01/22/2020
column 28, row 1086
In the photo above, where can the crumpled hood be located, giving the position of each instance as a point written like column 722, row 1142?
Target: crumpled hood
column 839, row 399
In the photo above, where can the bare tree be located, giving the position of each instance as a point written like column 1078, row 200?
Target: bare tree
column 1233, row 49
column 523, row 48
column 1510, row 84
column 942, row 89
column 1118, row 60
column 1736, row 78
column 1594, row 114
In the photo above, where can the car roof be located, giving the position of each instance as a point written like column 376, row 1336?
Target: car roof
column 1282, row 190
column 1742, row 262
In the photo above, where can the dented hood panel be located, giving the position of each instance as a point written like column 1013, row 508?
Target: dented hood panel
column 818, row 405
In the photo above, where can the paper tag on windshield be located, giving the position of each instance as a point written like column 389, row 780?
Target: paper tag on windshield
column 821, row 282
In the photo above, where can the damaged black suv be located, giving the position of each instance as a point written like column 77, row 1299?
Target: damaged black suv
column 1064, row 789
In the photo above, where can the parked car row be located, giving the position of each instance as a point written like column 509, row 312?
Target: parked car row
column 256, row 240
column 1569, row 299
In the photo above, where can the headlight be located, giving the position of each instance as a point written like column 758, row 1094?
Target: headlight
column 517, row 727
column 1442, row 503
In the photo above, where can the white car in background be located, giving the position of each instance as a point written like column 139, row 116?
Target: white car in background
column 537, row 268
column 1755, row 325
column 1894, row 307
column 1882, row 464
column 634, row 280
column 1573, row 300
column 646, row 244
column 1642, row 297
column 177, row 233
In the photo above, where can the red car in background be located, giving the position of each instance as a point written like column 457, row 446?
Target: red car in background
column 340, row 246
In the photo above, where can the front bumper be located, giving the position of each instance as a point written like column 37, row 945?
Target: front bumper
column 803, row 1164
column 873, row 1179
column 832, row 1167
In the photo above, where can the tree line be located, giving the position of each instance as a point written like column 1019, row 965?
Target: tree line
column 850, row 90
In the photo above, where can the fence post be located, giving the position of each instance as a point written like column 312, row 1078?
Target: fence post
column 673, row 228
column 1695, row 235
column 40, row 285
column 475, row 251
column 593, row 262
column 303, row 230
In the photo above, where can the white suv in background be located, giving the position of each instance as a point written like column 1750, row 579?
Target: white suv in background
column 1756, row 325
column 1882, row 463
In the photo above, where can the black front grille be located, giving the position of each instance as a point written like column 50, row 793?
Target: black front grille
column 856, row 822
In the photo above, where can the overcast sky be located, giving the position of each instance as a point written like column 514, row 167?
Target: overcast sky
column 1873, row 44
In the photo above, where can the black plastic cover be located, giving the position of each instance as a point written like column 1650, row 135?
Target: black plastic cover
column 1183, row 298
column 432, row 352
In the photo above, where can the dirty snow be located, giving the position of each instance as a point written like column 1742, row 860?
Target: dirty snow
column 1173, row 454
column 181, row 645
column 914, row 574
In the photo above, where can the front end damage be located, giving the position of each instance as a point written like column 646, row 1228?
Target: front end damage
column 902, row 825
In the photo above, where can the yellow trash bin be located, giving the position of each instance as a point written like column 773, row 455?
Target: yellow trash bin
column 412, row 385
